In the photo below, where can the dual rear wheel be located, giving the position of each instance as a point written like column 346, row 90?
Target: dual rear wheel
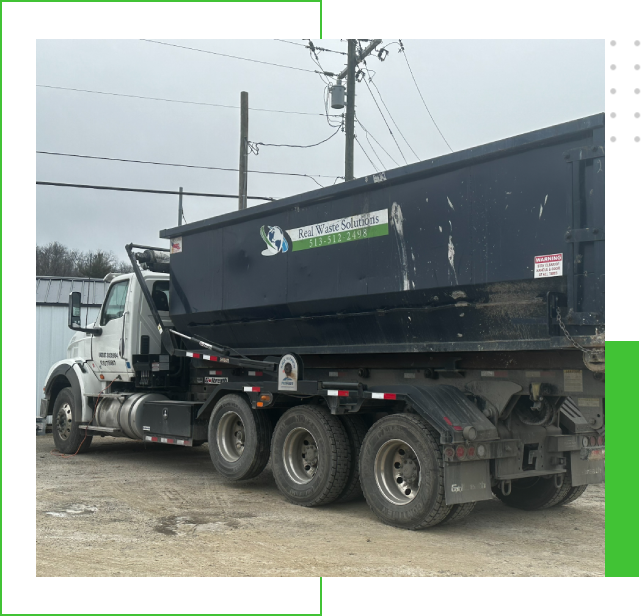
column 318, row 458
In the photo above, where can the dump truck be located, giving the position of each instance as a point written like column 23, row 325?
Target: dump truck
column 429, row 336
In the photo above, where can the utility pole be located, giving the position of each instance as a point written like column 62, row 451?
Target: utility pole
column 244, row 150
column 180, row 206
column 350, row 72
column 349, row 116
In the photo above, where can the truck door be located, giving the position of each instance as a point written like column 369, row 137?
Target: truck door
column 107, row 350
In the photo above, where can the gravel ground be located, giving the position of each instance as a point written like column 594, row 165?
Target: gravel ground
column 129, row 509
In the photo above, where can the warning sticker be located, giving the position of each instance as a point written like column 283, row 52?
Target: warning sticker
column 573, row 380
column 546, row 266
column 176, row 245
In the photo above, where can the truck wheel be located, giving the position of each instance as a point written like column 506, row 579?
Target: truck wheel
column 458, row 513
column 534, row 493
column 356, row 429
column 239, row 438
column 401, row 470
column 573, row 494
column 310, row 456
column 67, row 435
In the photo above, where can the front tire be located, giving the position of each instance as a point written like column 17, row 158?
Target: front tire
column 310, row 456
column 239, row 438
column 401, row 469
column 67, row 435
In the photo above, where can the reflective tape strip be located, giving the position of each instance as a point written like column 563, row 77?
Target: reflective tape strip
column 254, row 373
column 169, row 441
column 251, row 388
column 383, row 396
column 337, row 392
column 194, row 355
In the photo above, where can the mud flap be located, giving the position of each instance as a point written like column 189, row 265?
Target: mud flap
column 587, row 466
column 467, row 482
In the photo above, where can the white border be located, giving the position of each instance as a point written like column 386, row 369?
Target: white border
column 22, row 24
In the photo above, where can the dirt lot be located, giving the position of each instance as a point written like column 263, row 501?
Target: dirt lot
column 129, row 509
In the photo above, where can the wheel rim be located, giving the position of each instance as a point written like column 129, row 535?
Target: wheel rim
column 397, row 472
column 64, row 421
column 300, row 456
column 230, row 436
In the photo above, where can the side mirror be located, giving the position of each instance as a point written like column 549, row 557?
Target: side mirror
column 74, row 320
column 74, row 310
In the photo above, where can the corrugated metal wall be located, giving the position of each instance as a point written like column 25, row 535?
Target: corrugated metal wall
column 52, row 338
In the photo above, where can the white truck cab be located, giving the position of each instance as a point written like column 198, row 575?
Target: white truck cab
column 103, row 352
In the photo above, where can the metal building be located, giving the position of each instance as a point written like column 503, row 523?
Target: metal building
column 52, row 333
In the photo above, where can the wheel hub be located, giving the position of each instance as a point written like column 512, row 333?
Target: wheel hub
column 397, row 472
column 300, row 456
column 230, row 436
column 64, row 421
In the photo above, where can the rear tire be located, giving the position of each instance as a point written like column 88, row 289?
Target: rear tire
column 534, row 493
column 401, row 468
column 67, row 435
column 239, row 438
column 458, row 513
column 310, row 456
column 356, row 429
column 573, row 494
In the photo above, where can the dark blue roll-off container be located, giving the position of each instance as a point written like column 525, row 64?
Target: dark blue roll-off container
column 479, row 250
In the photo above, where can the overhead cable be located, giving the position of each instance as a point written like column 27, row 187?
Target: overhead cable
column 148, row 190
column 173, row 100
column 226, row 55
column 366, row 154
column 151, row 162
column 371, row 79
column 377, row 141
column 287, row 145
column 421, row 95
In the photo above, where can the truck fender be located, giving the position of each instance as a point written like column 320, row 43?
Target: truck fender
column 448, row 410
column 229, row 388
column 66, row 373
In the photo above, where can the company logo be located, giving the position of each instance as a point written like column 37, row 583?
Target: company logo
column 274, row 237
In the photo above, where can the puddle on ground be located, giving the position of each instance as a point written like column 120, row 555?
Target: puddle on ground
column 72, row 510
column 185, row 525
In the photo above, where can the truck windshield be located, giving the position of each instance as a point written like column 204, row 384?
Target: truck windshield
column 115, row 303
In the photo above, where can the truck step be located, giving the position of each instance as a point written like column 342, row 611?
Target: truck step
column 99, row 429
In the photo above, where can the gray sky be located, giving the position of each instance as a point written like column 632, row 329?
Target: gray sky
column 478, row 91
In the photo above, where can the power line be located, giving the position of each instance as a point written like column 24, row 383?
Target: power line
column 290, row 42
column 421, row 95
column 225, row 55
column 342, row 53
column 286, row 145
column 373, row 150
column 388, row 111
column 384, row 119
column 377, row 141
column 163, row 164
column 173, row 100
column 366, row 155
column 147, row 190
